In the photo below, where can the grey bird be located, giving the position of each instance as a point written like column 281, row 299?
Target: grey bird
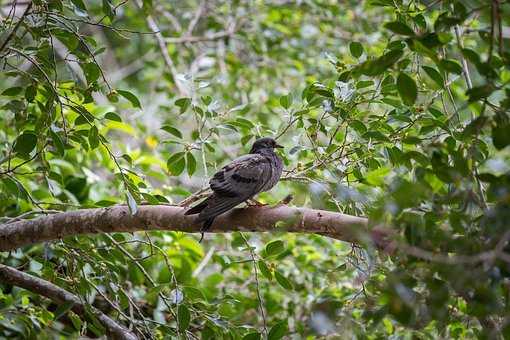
column 239, row 181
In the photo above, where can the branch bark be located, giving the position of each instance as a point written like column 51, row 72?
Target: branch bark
column 47, row 289
column 162, row 217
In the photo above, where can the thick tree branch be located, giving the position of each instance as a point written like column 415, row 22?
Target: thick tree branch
column 161, row 217
column 47, row 289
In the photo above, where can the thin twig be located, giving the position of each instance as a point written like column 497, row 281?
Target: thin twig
column 13, row 32
column 257, row 283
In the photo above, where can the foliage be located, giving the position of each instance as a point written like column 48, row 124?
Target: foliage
column 396, row 110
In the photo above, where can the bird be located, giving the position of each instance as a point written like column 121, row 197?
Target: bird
column 239, row 181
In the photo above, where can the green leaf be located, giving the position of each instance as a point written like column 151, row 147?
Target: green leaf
column 113, row 117
column 63, row 309
column 376, row 177
column 170, row 129
column 93, row 137
column 376, row 135
column 184, row 317
column 76, row 321
column 131, row 97
column 12, row 91
column 252, row 336
column 480, row 92
column 356, row 49
column 57, row 142
column 183, row 104
column 11, row 186
column 132, row 205
column 399, row 27
column 108, row 9
column 381, row 64
column 79, row 4
column 264, row 269
column 30, row 93
column 191, row 163
column 451, row 66
column 278, row 331
column 434, row 75
column 501, row 135
column 91, row 71
column 176, row 163
column 274, row 247
column 407, row 89
column 25, row 143
column 283, row 281
column 286, row 101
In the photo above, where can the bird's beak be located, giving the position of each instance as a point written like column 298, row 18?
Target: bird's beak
column 278, row 146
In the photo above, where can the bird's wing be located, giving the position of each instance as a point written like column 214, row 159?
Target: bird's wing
column 243, row 177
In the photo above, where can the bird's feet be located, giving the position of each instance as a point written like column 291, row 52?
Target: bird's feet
column 254, row 203
column 286, row 200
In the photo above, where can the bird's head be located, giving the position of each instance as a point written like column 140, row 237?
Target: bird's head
column 266, row 143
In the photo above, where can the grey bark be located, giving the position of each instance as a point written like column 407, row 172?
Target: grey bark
column 162, row 217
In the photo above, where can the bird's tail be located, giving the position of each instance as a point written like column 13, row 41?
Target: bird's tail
column 207, row 224
column 197, row 208
column 211, row 207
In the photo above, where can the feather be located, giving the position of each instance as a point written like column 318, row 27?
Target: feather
column 197, row 208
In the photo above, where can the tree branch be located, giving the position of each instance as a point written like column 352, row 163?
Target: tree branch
column 161, row 217
column 192, row 39
column 47, row 289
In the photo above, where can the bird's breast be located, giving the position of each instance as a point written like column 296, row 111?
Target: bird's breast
column 276, row 172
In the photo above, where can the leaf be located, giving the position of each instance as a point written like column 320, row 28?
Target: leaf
column 376, row 177
column 480, row 92
column 91, row 71
column 286, row 101
column 264, row 269
column 278, row 331
column 501, row 136
column 183, row 104
column 407, row 89
column 283, row 281
column 375, row 135
column 57, row 142
column 133, row 206
column 108, row 9
column 191, row 163
column 11, row 186
column 76, row 321
column 358, row 126
column 25, row 143
column 113, row 117
column 184, row 317
column 450, row 66
column 170, row 129
column 434, row 75
column 252, row 336
column 274, row 247
column 381, row 64
column 79, row 4
column 356, row 49
column 93, row 137
column 176, row 163
column 399, row 27
column 131, row 97
column 63, row 309
column 12, row 91
column 30, row 93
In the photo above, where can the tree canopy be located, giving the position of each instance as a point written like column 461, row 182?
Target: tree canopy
column 395, row 117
